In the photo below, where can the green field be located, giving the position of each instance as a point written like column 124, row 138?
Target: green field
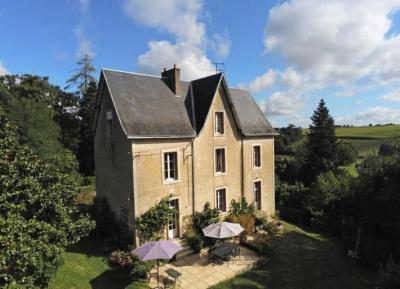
column 304, row 260
column 376, row 132
column 367, row 139
column 85, row 267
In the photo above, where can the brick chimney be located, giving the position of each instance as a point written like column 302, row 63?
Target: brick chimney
column 172, row 78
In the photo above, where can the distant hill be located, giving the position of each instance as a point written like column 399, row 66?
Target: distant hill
column 367, row 139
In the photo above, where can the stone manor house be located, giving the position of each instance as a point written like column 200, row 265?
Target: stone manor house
column 189, row 141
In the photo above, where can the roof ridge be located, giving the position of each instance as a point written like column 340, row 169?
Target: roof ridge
column 238, row 88
column 137, row 73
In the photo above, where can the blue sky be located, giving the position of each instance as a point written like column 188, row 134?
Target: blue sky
column 288, row 53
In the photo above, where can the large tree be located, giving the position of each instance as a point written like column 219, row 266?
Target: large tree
column 321, row 148
column 83, row 75
column 85, row 153
column 86, row 85
column 29, row 100
column 38, row 215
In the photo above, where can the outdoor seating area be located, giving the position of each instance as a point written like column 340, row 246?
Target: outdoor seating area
column 224, row 251
column 196, row 272
column 212, row 265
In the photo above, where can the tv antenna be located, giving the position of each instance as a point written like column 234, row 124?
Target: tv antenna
column 217, row 65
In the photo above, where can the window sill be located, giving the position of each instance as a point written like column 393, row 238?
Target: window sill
column 219, row 135
column 257, row 168
column 169, row 182
column 217, row 174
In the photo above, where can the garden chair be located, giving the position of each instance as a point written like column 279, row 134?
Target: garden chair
column 168, row 283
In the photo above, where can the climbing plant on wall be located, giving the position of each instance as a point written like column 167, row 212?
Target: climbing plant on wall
column 152, row 223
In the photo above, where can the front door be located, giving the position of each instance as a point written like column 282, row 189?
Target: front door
column 174, row 219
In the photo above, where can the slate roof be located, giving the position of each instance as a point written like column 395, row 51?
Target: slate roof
column 147, row 108
column 252, row 120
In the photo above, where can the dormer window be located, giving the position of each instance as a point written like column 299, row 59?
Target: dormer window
column 109, row 124
column 219, row 123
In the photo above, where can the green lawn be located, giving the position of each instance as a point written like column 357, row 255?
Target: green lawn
column 86, row 268
column 303, row 260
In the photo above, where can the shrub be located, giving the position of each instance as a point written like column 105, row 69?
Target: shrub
column 121, row 259
column 203, row 219
column 246, row 221
column 126, row 261
column 140, row 269
column 271, row 228
column 260, row 219
column 347, row 153
column 241, row 207
column 194, row 241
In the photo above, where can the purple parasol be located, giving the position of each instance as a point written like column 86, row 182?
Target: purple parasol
column 223, row 230
column 156, row 250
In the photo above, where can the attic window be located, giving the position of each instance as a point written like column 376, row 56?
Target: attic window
column 219, row 123
column 109, row 124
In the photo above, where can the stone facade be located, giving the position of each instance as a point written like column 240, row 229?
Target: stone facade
column 130, row 172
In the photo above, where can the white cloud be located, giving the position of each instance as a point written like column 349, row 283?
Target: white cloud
column 327, row 44
column 180, row 19
column 392, row 96
column 221, row 44
column 163, row 54
column 374, row 115
column 264, row 81
column 345, row 42
column 85, row 45
column 3, row 69
column 283, row 103
column 291, row 78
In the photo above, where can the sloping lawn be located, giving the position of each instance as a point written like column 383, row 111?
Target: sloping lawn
column 85, row 267
column 303, row 260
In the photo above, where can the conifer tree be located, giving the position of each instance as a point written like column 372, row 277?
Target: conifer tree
column 86, row 84
column 321, row 149
column 83, row 75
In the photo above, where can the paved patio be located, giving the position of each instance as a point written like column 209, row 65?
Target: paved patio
column 197, row 274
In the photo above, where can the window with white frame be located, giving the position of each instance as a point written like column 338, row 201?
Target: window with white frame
column 170, row 166
column 220, row 199
column 220, row 164
column 219, row 123
column 109, row 124
column 257, row 156
column 257, row 194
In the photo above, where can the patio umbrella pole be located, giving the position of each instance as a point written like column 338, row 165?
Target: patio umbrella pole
column 158, row 275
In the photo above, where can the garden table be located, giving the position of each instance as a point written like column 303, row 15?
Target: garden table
column 224, row 250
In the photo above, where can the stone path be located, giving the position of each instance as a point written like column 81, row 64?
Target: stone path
column 197, row 274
